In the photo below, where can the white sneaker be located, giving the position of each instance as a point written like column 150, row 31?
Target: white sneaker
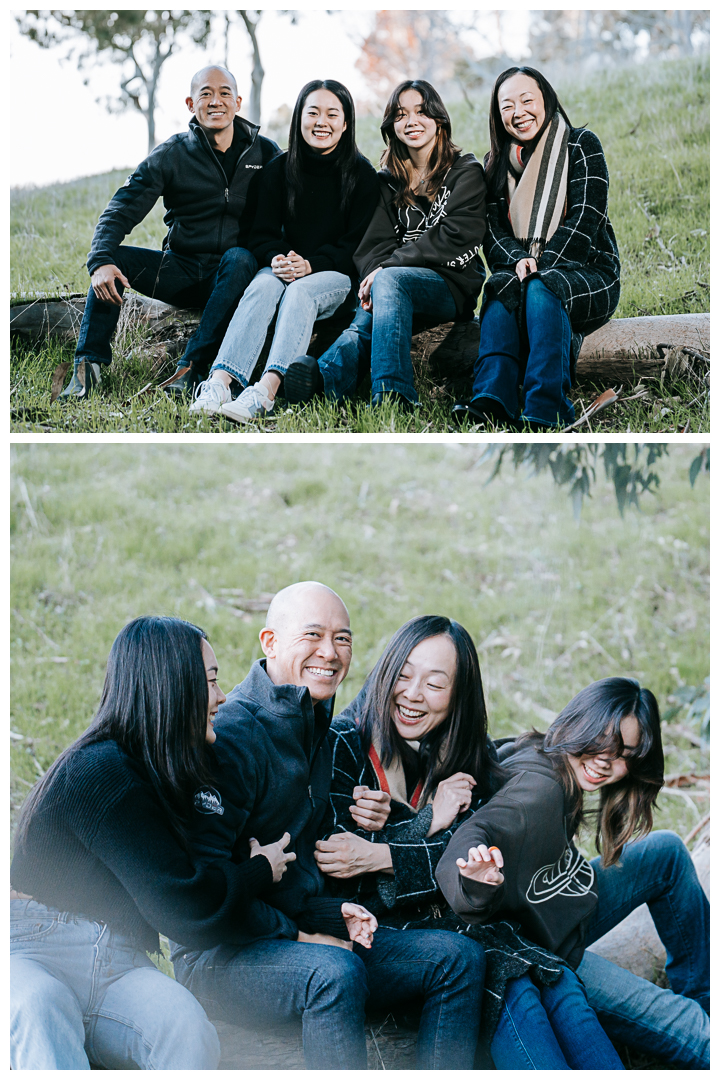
column 252, row 403
column 210, row 396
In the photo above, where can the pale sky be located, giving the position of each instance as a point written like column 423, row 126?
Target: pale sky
column 75, row 136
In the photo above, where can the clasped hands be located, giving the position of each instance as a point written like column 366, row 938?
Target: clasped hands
column 290, row 267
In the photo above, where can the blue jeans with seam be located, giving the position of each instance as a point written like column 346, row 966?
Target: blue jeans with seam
column 81, row 993
column 504, row 370
column 298, row 305
column 550, row 1027
column 381, row 338
column 673, row 1024
column 212, row 282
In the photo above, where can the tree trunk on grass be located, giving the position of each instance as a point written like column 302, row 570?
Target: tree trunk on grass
column 621, row 351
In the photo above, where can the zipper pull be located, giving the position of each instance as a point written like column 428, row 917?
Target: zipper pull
column 311, row 794
column 227, row 195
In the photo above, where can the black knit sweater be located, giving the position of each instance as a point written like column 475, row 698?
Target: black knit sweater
column 99, row 844
column 318, row 229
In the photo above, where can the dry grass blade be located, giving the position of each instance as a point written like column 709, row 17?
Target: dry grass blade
column 58, row 379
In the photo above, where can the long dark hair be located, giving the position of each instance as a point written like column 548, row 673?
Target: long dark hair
column 496, row 161
column 397, row 156
column 462, row 737
column 345, row 153
column 590, row 724
column 154, row 705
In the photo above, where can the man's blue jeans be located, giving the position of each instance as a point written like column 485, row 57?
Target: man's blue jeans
column 550, row 1027
column 81, row 993
column 382, row 338
column 672, row 1024
column 212, row 282
column 504, row 367
column 298, row 305
column 277, row 980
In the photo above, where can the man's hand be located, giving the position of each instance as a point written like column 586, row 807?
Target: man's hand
column 360, row 923
column 103, row 283
column 345, row 855
column 452, row 797
column 525, row 267
column 483, row 864
column 323, row 939
column 275, row 854
column 371, row 808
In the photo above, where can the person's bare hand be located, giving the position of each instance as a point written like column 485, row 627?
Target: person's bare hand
column 525, row 267
column 282, row 268
column 275, row 854
column 371, row 808
column 483, row 864
column 364, row 295
column 346, row 855
column 360, row 923
column 103, row 283
column 323, row 939
column 452, row 797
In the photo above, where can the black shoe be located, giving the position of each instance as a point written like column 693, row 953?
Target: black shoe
column 392, row 397
column 182, row 383
column 482, row 411
column 86, row 377
column 303, row 380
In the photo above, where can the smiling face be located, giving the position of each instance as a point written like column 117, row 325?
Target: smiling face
column 215, row 694
column 214, row 100
column 423, row 692
column 309, row 642
column 322, row 121
column 522, row 108
column 593, row 771
column 412, row 127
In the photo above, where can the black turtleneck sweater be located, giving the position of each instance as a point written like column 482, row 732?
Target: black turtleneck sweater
column 318, row 229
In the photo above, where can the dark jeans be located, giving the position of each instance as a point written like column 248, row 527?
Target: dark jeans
column 541, row 370
column 382, row 337
column 673, row 1024
column 214, row 283
column 277, row 980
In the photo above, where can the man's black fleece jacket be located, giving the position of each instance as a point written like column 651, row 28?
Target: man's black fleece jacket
column 549, row 886
column 206, row 212
column 272, row 775
column 99, row 844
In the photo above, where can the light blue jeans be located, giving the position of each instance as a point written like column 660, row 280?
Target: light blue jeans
column 298, row 305
column 81, row 993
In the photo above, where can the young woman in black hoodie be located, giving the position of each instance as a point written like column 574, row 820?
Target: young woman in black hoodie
column 314, row 206
column 419, row 259
column 102, row 864
column 515, row 858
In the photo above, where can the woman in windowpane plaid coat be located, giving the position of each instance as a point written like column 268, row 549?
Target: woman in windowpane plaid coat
column 551, row 251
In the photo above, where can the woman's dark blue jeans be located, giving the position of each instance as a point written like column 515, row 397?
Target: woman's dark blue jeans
column 384, row 335
column 540, row 371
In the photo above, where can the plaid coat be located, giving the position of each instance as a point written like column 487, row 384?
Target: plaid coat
column 410, row 899
column 580, row 263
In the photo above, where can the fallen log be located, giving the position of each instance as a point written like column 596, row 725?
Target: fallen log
column 621, row 351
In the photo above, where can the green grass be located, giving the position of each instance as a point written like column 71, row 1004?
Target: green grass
column 103, row 533
column 653, row 121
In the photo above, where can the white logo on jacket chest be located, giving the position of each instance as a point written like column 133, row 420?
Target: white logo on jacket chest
column 571, row 875
column 208, row 801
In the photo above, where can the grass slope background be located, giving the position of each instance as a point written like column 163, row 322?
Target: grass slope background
column 101, row 534
column 653, row 121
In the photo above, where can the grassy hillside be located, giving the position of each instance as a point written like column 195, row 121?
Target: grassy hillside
column 653, row 121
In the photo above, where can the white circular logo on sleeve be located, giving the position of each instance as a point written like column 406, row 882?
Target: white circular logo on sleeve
column 571, row 875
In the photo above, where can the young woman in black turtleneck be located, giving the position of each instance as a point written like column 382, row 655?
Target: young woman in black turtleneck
column 316, row 202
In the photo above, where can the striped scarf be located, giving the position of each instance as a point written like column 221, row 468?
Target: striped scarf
column 537, row 199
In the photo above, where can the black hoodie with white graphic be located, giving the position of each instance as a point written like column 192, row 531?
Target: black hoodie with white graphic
column 549, row 886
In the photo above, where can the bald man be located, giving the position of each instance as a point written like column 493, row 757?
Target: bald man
column 207, row 177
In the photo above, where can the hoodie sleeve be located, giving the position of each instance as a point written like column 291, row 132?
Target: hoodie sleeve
column 128, row 207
